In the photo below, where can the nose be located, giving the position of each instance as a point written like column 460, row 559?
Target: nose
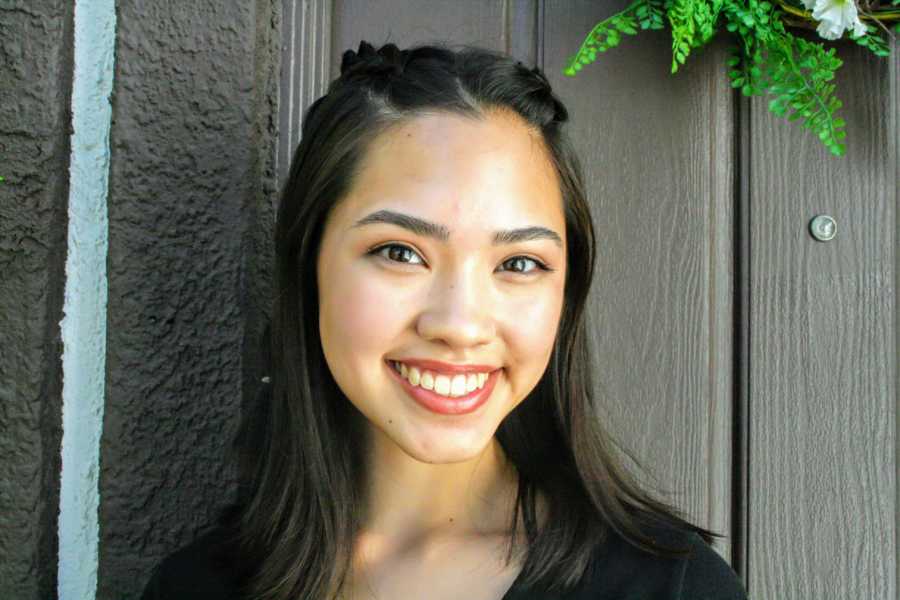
column 459, row 312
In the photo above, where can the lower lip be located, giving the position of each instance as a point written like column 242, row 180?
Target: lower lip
column 448, row 405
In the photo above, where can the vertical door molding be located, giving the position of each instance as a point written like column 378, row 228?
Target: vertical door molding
column 305, row 70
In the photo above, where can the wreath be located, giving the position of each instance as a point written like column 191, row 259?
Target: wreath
column 768, row 58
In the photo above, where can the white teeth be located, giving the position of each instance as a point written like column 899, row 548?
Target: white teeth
column 455, row 386
column 458, row 385
column 427, row 381
column 442, row 385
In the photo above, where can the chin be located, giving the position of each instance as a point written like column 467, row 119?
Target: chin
column 446, row 457
column 436, row 448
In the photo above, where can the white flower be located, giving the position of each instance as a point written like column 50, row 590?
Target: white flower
column 834, row 16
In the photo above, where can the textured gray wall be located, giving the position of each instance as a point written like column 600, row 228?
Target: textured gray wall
column 189, row 218
column 35, row 86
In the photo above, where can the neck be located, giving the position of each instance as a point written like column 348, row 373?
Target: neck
column 412, row 503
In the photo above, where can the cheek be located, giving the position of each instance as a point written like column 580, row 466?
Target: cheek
column 531, row 330
column 356, row 320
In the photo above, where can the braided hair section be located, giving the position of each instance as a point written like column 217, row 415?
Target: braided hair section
column 388, row 60
column 378, row 69
column 537, row 95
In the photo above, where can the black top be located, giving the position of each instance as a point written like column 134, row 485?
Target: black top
column 619, row 571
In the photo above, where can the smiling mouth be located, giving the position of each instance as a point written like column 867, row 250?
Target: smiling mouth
column 443, row 404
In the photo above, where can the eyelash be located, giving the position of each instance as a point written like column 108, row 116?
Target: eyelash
column 540, row 266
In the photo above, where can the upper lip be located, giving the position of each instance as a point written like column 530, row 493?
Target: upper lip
column 442, row 367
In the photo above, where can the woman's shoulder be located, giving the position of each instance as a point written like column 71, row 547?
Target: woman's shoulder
column 708, row 575
column 196, row 571
column 622, row 570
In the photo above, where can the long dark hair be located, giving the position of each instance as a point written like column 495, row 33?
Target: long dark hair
column 293, row 529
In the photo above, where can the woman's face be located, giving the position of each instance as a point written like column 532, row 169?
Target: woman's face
column 447, row 287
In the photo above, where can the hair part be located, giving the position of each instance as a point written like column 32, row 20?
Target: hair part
column 301, row 449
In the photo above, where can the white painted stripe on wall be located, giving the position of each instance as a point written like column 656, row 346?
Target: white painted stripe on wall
column 83, row 326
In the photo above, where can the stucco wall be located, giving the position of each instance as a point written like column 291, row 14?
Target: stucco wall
column 35, row 87
column 192, row 187
column 188, row 225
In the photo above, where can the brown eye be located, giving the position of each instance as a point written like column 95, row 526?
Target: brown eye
column 400, row 253
column 520, row 265
column 396, row 253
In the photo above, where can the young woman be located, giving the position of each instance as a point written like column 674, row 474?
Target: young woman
column 428, row 432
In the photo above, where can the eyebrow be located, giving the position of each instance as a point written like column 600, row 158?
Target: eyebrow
column 442, row 233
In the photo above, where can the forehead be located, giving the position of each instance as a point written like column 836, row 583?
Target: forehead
column 465, row 171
